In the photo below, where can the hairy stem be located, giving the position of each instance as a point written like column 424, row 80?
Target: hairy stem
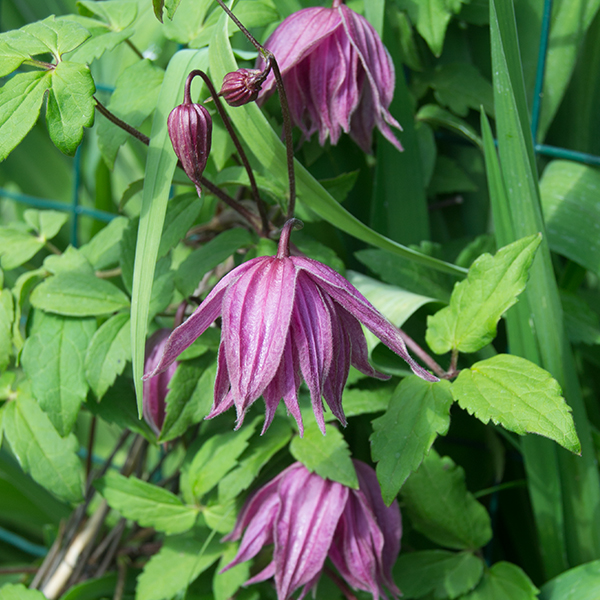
column 428, row 360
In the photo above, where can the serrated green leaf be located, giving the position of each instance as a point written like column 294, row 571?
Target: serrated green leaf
column 58, row 35
column 147, row 504
column 108, row 353
column 190, row 396
column 504, row 581
column 326, row 455
column 440, row 507
column 360, row 401
column 520, row 396
column 225, row 585
column 216, row 457
column 254, row 458
column 51, row 460
column 10, row 58
column 446, row 574
column 17, row 591
column 21, row 99
column 477, row 303
column 7, row 315
column 77, row 295
column 207, row 257
column 402, row 437
column 70, row 105
column 71, row 260
column 103, row 249
column 134, row 99
column 118, row 14
column 177, row 564
column 53, row 358
column 580, row 583
column 17, row 247
column 160, row 166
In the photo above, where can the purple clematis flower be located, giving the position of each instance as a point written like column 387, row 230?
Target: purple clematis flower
column 286, row 317
column 337, row 74
column 308, row 519
column 156, row 389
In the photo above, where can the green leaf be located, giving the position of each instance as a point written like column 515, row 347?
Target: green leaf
column 103, row 249
column 94, row 589
column 394, row 303
column 21, row 99
column 190, row 396
column 440, row 507
column 118, row 14
column 449, row 177
column 147, row 504
column 135, row 97
column 570, row 203
column 436, row 115
column 207, row 257
column 47, row 223
column 21, row 290
column 108, row 353
column 181, row 214
column 51, row 460
column 216, row 457
column 77, row 295
column 446, row 574
column 179, row 561
column 477, row 303
column 13, row 591
column 504, row 581
column 7, row 315
column 160, row 166
column 580, row 583
column 225, row 585
column 70, row 105
column 10, row 58
column 17, row 247
column 59, row 36
column 403, row 436
column 520, row 396
column 327, row 455
column 258, row 453
column 265, row 143
column 69, row 261
column 360, row 401
column 53, row 358
column 582, row 323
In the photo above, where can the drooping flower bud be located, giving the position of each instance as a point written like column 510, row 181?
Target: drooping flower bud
column 190, row 130
column 155, row 390
column 241, row 86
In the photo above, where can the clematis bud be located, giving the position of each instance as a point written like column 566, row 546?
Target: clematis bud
column 309, row 519
column 155, row 390
column 337, row 74
column 241, row 86
column 286, row 317
column 190, row 130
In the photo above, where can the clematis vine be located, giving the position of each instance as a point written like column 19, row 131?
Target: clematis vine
column 308, row 519
column 337, row 73
column 285, row 318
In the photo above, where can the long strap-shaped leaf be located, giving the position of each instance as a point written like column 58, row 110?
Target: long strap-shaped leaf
column 160, row 166
column 269, row 150
column 579, row 481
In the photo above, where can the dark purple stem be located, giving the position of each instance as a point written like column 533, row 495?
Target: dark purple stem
column 283, row 248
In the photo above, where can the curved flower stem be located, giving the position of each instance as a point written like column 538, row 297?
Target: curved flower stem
column 271, row 63
column 236, row 142
column 218, row 192
column 428, row 360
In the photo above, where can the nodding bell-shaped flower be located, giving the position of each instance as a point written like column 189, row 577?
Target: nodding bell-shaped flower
column 155, row 390
column 337, row 73
column 285, row 318
column 309, row 519
column 241, row 86
column 190, row 130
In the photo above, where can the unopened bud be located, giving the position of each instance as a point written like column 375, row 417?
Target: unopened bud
column 155, row 390
column 190, row 130
column 241, row 86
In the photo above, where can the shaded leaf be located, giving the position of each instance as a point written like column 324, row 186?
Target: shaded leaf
column 504, row 581
column 580, row 583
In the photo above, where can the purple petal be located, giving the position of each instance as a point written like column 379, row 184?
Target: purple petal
column 311, row 328
column 310, row 510
column 256, row 316
column 349, row 298
column 223, row 399
column 187, row 333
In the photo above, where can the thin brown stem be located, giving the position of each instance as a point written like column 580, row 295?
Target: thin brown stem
column 428, row 360
column 16, row 570
column 116, row 272
column 134, row 48
column 236, row 142
column 90, row 449
column 271, row 62
column 119, row 123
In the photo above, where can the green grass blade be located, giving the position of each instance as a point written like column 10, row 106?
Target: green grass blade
column 266, row 145
column 160, row 166
column 578, row 475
